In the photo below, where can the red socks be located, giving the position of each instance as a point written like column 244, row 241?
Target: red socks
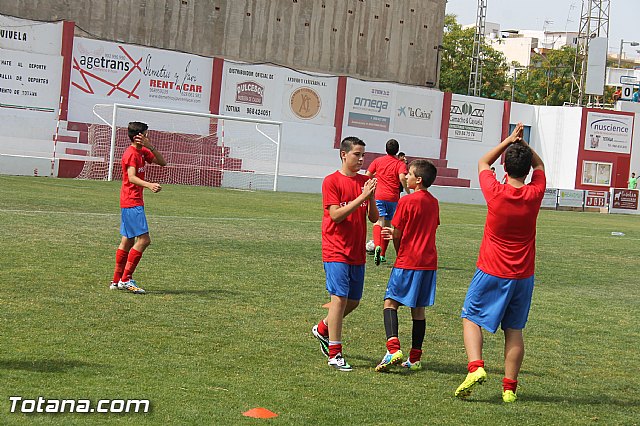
column 121, row 261
column 415, row 355
column 377, row 235
column 474, row 365
column 323, row 329
column 335, row 348
column 393, row 345
column 132, row 261
column 508, row 384
column 383, row 246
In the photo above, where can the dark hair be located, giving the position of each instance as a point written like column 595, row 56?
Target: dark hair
column 392, row 147
column 347, row 143
column 517, row 160
column 401, row 154
column 493, row 169
column 135, row 128
column 426, row 170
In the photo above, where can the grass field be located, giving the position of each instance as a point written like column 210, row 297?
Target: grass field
column 235, row 283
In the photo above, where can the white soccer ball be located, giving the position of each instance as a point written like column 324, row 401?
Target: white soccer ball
column 370, row 246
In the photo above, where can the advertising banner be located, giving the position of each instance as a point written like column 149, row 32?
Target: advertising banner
column 570, row 198
column 30, row 81
column 253, row 91
column 608, row 132
column 596, row 198
column 30, row 36
column 466, row 120
column 308, row 98
column 368, row 105
column 417, row 113
column 550, row 199
column 624, row 199
column 106, row 73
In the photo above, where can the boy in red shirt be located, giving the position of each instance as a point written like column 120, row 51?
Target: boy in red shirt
column 413, row 279
column 501, row 289
column 389, row 171
column 133, row 227
column 347, row 199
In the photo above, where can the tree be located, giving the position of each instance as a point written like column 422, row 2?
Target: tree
column 548, row 80
column 457, row 51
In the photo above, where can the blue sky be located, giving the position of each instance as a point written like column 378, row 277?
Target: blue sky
column 624, row 17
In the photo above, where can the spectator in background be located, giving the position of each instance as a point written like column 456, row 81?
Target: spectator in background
column 636, row 96
column 633, row 182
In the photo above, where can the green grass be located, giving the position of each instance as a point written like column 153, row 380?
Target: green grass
column 235, row 283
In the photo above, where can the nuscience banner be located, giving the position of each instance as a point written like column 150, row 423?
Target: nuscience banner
column 106, row 73
column 608, row 132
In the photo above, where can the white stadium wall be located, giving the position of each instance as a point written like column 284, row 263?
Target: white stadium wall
column 557, row 134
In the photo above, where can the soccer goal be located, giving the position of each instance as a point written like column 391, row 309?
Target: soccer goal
column 200, row 149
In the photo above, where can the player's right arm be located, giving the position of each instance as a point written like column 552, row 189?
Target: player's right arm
column 131, row 172
column 340, row 213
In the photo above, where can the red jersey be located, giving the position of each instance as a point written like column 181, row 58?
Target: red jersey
column 130, row 194
column 508, row 248
column 345, row 241
column 387, row 169
column 418, row 217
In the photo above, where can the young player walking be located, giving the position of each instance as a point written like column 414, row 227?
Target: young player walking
column 133, row 227
column 413, row 278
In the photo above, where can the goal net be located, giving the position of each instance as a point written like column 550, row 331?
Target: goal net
column 200, row 149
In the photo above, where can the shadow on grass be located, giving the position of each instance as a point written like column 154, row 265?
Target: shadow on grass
column 555, row 399
column 44, row 365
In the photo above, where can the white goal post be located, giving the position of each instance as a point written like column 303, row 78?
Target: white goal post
column 200, row 148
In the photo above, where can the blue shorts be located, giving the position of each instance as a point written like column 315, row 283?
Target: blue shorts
column 493, row 301
column 133, row 222
column 386, row 209
column 412, row 288
column 344, row 280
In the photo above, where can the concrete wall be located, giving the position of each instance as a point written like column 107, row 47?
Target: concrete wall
column 373, row 39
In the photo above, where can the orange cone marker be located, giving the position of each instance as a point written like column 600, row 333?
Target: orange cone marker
column 260, row 413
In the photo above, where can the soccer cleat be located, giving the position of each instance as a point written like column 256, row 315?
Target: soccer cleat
column 389, row 360
column 324, row 341
column 339, row 363
column 383, row 259
column 376, row 255
column 509, row 396
column 131, row 286
column 413, row 366
column 115, row 286
column 478, row 376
